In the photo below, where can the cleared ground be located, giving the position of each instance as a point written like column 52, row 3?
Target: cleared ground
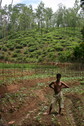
column 25, row 101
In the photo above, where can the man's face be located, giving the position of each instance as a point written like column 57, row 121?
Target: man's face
column 58, row 78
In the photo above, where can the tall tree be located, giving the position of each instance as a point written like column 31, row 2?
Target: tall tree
column 40, row 14
column 0, row 3
column 0, row 12
column 25, row 18
column 48, row 16
column 59, row 15
column 82, row 4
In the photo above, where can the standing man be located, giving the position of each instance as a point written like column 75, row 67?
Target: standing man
column 58, row 95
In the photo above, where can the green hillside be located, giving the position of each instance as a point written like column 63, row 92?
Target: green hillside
column 54, row 44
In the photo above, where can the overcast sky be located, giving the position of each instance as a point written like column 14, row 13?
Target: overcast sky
column 48, row 3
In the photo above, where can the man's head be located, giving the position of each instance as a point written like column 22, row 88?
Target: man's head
column 58, row 76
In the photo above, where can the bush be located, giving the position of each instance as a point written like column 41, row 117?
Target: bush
column 50, row 49
column 40, row 59
column 32, row 49
column 52, row 56
column 79, row 52
column 23, row 44
column 26, row 51
column 11, row 47
column 58, row 47
column 65, row 56
column 15, row 55
column 1, row 56
column 39, row 52
column 18, row 51
column 6, row 58
column 4, row 48
column 30, row 44
column 31, row 60
column 19, row 46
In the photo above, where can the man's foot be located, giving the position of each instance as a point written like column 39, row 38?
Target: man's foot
column 60, row 114
column 46, row 113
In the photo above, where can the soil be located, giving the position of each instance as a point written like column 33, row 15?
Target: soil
column 30, row 112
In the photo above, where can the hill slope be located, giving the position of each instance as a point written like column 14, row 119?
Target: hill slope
column 31, row 46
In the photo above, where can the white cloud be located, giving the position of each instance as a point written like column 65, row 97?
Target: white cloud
column 4, row 2
column 48, row 3
column 54, row 3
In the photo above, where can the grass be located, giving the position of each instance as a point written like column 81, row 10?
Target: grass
column 24, row 65
column 77, row 89
column 12, row 98
column 82, row 82
column 9, row 78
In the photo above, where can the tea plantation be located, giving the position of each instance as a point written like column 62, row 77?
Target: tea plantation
column 45, row 45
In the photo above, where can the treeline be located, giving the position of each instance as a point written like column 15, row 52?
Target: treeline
column 22, row 17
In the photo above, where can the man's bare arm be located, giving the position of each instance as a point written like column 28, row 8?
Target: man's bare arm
column 65, row 85
column 50, row 85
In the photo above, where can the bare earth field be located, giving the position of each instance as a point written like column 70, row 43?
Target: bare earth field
column 25, row 102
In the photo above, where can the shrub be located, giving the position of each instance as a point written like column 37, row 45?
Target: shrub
column 19, row 59
column 65, row 56
column 52, row 56
column 24, row 44
column 30, row 44
column 1, row 56
column 32, row 49
column 4, row 48
column 6, row 58
column 79, row 52
column 11, row 47
column 50, row 49
column 26, row 51
column 40, row 59
column 18, row 51
column 19, row 46
column 17, row 40
column 15, row 55
column 39, row 52
column 60, row 48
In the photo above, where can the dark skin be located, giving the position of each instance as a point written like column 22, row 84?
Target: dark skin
column 57, row 87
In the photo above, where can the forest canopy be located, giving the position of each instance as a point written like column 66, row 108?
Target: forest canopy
column 23, row 17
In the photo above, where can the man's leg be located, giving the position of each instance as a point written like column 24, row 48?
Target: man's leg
column 50, row 109
column 60, row 108
column 60, row 111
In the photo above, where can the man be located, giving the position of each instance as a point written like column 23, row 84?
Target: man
column 58, row 96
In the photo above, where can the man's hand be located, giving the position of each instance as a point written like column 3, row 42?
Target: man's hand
column 50, row 85
column 65, row 85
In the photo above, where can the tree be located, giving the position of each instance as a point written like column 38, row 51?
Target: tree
column 40, row 15
column 0, row 12
column 26, row 18
column 0, row 3
column 59, row 16
column 48, row 16
column 79, row 53
column 82, row 4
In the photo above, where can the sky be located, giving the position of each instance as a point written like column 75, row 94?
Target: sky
column 48, row 3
